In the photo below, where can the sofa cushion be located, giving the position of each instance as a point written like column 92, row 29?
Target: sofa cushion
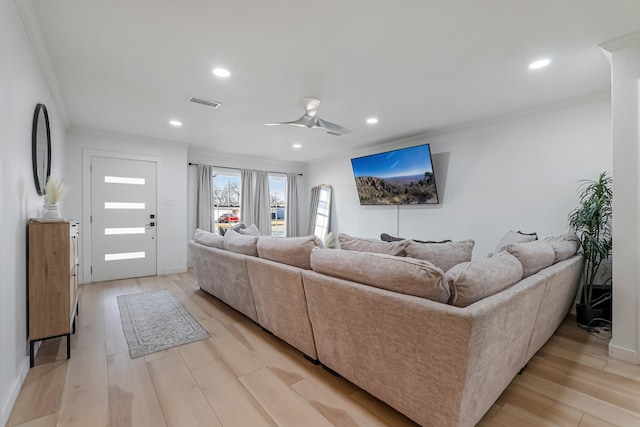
column 209, row 239
column 359, row 244
column 442, row 255
column 235, row 242
column 399, row 274
column 388, row 238
column 295, row 251
column 472, row 281
column 564, row 246
column 534, row 256
column 514, row 237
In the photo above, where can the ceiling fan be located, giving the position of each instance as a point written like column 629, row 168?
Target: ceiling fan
column 310, row 120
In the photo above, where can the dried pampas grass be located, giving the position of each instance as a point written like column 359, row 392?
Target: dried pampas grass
column 54, row 190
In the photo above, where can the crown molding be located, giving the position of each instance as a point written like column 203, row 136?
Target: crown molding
column 622, row 43
column 32, row 27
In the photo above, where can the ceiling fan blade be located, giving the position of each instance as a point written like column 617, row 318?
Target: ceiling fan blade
column 304, row 121
column 332, row 127
column 311, row 106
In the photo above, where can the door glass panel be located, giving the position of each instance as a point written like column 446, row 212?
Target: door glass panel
column 124, row 255
column 123, row 180
column 120, row 205
column 127, row 230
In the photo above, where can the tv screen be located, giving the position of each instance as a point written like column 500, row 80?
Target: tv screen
column 398, row 177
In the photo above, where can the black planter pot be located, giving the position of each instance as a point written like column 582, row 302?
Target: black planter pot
column 585, row 316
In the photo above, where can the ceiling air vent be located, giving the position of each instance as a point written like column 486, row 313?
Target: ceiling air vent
column 202, row 101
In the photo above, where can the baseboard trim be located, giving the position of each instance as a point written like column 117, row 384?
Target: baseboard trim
column 174, row 270
column 623, row 354
column 7, row 407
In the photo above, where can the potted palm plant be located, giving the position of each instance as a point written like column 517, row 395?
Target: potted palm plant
column 591, row 220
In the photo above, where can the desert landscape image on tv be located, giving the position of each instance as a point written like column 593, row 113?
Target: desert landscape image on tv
column 398, row 177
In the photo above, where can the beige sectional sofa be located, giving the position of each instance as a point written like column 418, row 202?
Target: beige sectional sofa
column 438, row 363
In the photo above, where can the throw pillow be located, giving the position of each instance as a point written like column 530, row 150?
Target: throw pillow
column 564, row 246
column 206, row 238
column 331, row 241
column 239, row 226
column 295, row 251
column 387, row 238
column 236, row 242
column 372, row 245
column 534, row 256
column 514, row 237
column 442, row 255
column 472, row 281
column 252, row 230
column 398, row 274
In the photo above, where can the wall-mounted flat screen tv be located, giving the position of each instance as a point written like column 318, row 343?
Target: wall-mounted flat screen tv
column 398, row 177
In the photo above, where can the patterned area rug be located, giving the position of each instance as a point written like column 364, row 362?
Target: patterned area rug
column 154, row 321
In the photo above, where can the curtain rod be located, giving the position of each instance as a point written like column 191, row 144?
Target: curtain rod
column 238, row 169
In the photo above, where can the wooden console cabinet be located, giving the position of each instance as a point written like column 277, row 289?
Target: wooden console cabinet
column 52, row 281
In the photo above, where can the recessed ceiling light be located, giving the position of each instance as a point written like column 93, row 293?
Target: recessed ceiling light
column 297, row 145
column 540, row 63
column 221, row 72
column 175, row 123
column 372, row 120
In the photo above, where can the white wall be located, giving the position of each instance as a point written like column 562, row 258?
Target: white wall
column 516, row 174
column 245, row 162
column 22, row 86
column 171, row 195
column 625, row 91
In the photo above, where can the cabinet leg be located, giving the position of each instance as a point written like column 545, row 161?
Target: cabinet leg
column 68, row 346
column 31, row 344
column 73, row 331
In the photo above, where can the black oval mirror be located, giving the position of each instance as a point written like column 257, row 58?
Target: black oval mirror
column 41, row 148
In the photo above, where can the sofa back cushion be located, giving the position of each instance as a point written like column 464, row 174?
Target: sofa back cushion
column 235, row 242
column 399, row 274
column 442, row 255
column 295, row 251
column 534, row 256
column 513, row 237
column 359, row 244
column 564, row 246
column 209, row 239
column 472, row 281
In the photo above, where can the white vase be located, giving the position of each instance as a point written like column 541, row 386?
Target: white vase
column 51, row 211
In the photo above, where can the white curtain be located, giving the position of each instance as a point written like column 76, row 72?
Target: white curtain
column 262, row 205
column 203, row 197
column 292, row 204
column 246, row 197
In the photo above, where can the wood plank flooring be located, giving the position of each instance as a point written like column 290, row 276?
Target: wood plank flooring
column 244, row 377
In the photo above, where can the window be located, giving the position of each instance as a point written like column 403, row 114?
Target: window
column 226, row 200
column 278, row 203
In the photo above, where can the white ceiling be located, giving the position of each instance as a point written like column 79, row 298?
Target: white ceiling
column 129, row 66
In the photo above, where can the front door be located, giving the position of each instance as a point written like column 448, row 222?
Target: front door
column 123, row 218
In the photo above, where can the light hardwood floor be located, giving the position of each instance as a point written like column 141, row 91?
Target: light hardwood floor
column 244, row 377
